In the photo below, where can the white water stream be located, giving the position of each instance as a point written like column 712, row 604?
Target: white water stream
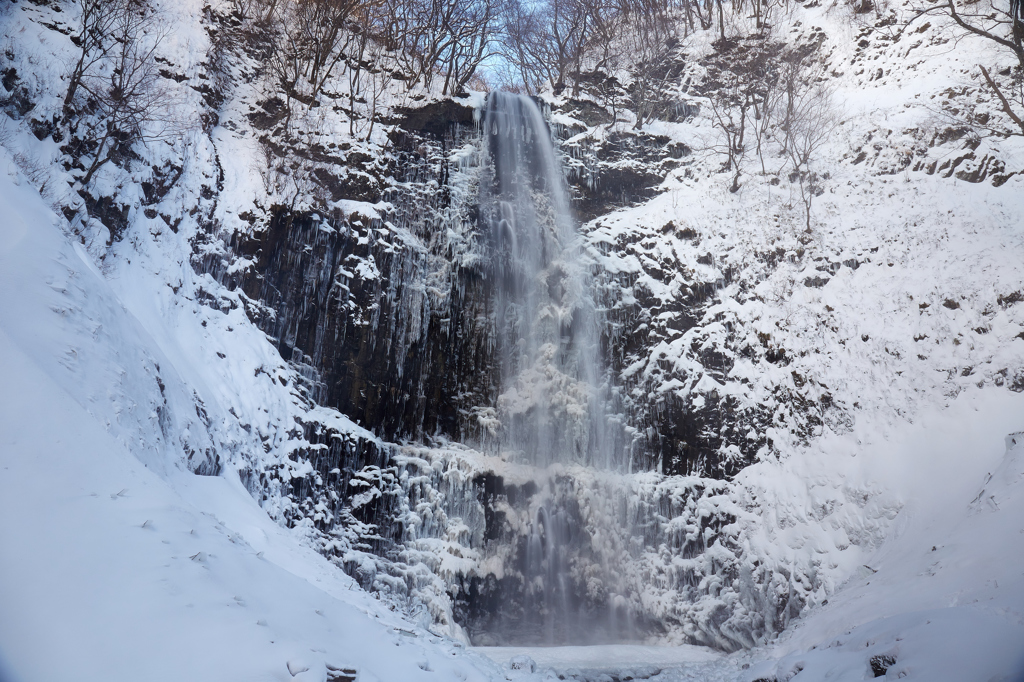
column 554, row 404
column 623, row 661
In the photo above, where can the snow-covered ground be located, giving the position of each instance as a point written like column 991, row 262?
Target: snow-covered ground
column 944, row 595
column 118, row 563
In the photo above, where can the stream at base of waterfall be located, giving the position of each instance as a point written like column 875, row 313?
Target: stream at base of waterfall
column 613, row 661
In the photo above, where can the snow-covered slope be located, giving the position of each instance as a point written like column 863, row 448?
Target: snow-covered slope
column 116, row 561
column 766, row 332
column 943, row 596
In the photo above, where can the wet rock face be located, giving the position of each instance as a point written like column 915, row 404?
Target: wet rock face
column 389, row 331
column 344, row 303
column 622, row 170
column 395, row 327
column 436, row 119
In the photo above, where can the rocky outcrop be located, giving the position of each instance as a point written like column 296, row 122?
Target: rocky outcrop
column 389, row 316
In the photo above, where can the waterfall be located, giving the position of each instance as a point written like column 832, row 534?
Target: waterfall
column 554, row 403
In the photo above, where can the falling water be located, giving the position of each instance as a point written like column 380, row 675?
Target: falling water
column 554, row 404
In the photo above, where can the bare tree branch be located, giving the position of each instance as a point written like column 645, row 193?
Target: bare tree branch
column 1002, row 99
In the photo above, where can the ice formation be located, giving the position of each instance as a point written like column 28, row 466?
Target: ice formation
column 545, row 534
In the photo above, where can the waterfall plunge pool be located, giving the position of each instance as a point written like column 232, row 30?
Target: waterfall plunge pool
column 607, row 662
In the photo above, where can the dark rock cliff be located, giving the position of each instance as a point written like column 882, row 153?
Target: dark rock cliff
column 392, row 330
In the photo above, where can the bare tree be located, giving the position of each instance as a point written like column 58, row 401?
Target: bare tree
column 550, row 41
column 745, row 97
column 378, row 82
column 368, row 80
column 126, row 96
column 761, row 10
column 764, row 68
column 1008, row 107
column 260, row 11
column 97, row 19
column 430, row 38
column 319, row 32
column 355, row 64
column 650, row 41
column 311, row 37
column 1002, row 23
column 522, row 44
column 285, row 65
column 470, row 36
column 730, row 108
column 809, row 118
column 400, row 29
column 426, row 38
column 765, row 113
column 704, row 14
column 546, row 41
